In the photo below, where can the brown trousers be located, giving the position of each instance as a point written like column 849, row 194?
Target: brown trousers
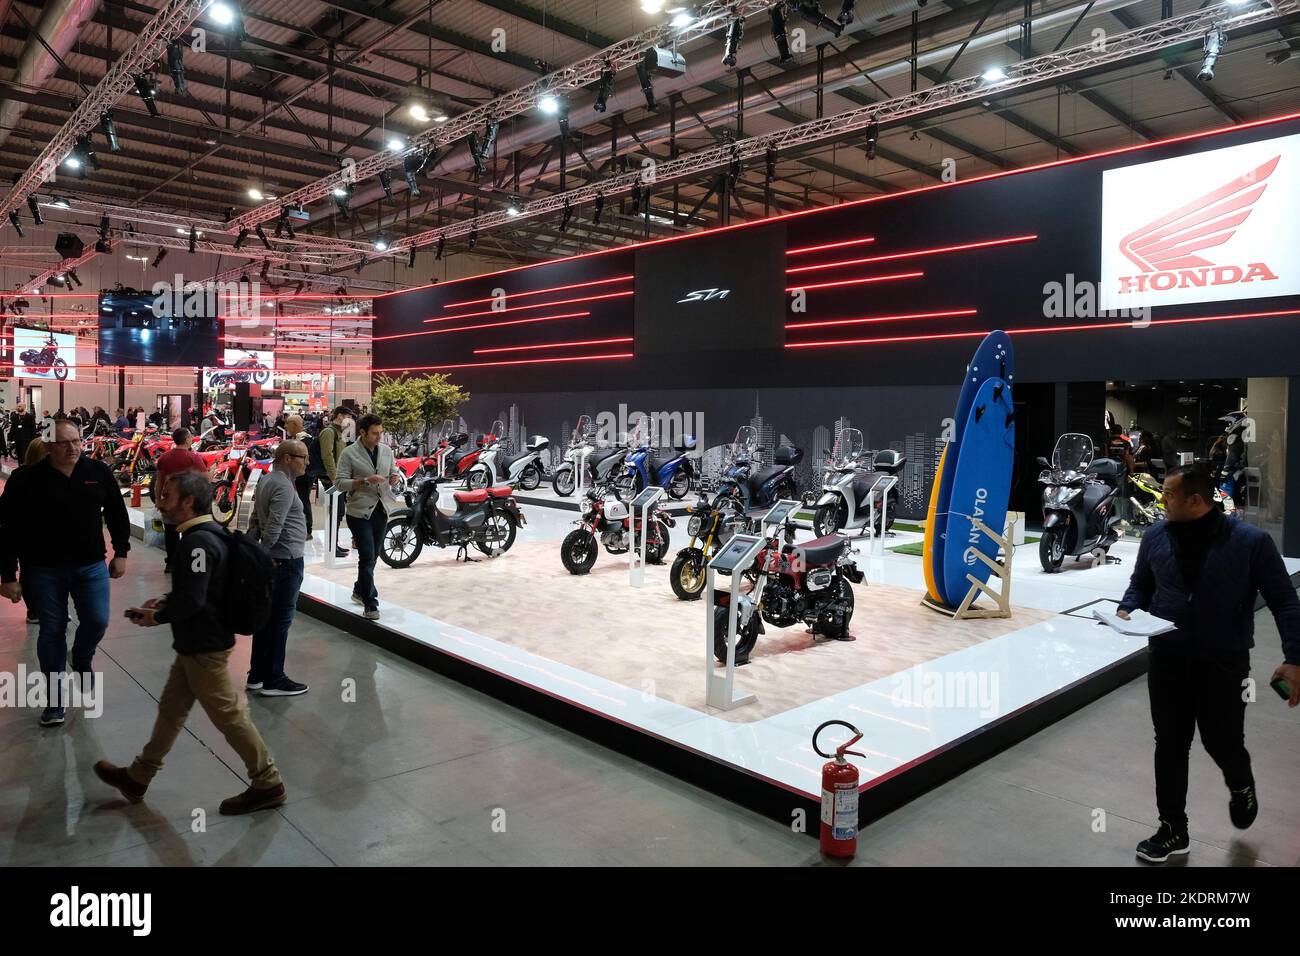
column 204, row 677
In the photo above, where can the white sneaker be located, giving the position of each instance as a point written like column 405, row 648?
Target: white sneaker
column 371, row 615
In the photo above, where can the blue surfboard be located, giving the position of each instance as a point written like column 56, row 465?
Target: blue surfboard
column 981, row 486
column 993, row 358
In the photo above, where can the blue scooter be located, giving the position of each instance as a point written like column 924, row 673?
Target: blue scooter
column 676, row 475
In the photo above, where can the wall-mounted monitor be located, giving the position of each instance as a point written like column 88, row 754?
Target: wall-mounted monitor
column 39, row 353
column 139, row 328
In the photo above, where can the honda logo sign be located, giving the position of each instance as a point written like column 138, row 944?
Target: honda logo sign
column 1209, row 227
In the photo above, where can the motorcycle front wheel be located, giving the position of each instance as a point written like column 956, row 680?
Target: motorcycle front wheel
column 530, row 478
column 1051, row 549
column 656, row 551
column 261, row 378
column 223, row 502
column 830, row 518
column 578, row 552
column 402, row 544
column 498, row 534
column 687, row 574
column 60, row 369
column 476, row 479
column 844, row 595
column 563, row 482
column 745, row 640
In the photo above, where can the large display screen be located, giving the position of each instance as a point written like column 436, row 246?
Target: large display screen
column 720, row 292
column 42, row 354
column 240, row 365
column 1210, row 227
column 138, row 328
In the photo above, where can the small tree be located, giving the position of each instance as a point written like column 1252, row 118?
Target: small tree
column 412, row 406
column 439, row 399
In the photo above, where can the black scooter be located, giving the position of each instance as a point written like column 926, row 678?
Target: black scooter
column 487, row 518
column 1080, row 498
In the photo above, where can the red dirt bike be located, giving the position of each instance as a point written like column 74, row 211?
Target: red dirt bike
column 231, row 477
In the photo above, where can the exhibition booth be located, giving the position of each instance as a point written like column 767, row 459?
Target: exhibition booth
column 931, row 345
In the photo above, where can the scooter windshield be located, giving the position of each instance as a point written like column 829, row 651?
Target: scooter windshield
column 848, row 447
column 1073, row 452
column 582, row 431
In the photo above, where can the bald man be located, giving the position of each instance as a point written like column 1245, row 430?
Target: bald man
column 279, row 526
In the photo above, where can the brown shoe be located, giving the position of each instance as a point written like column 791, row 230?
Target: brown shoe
column 120, row 780
column 253, row 799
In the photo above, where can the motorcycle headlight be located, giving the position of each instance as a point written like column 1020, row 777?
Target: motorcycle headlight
column 693, row 526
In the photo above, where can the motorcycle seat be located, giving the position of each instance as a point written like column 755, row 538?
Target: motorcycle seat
column 600, row 454
column 761, row 477
column 655, row 464
column 480, row 496
column 822, row 551
column 507, row 463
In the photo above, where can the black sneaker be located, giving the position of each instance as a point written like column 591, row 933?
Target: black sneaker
column 1243, row 807
column 33, row 619
column 52, row 716
column 284, row 687
column 252, row 684
column 1163, row 844
column 341, row 552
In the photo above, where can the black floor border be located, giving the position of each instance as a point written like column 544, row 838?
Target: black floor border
column 771, row 800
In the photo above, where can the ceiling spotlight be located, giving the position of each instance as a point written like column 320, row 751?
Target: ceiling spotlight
column 176, row 65
column 442, row 247
column 994, row 74
column 1212, row 47
column 568, row 214
column 60, row 202
column 423, row 107
column 255, row 194
column 84, row 155
column 386, row 181
column 873, row 137
column 682, row 17
column 771, row 164
column 513, row 208
column 396, row 143
column 76, row 279
column 735, row 30
column 239, row 240
column 473, row 239
column 410, row 258
column 261, row 235
column 812, row 11
column 162, row 254
column 652, row 6
column 777, row 13
column 365, row 260
column 36, row 210
column 342, row 194
column 16, row 223
column 103, row 227
column 846, row 12
column 549, row 104
column 381, row 244
column 603, row 88
column 109, row 130
column 266, row 269
column 147, row 88
column 58, row 280
column 194, row 238
column 643, row 66
column 225, row 13
column 600, row 207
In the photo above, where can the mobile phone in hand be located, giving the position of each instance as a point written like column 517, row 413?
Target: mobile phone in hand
column 1282, row 687
column 134, row 614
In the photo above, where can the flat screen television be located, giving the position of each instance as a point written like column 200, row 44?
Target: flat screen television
column 139, row 328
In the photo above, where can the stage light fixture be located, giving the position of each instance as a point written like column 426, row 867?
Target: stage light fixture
column 381, row 244
column 162, row 254
column 60, row 202
column 770, row 156
column 365, row 261
column 873, row 138
column 261, row 235
column 846, row 12
column 342, row 195
column 16, row 223
column 567, row 215
column 735, row 30
column 266, row 269
column 604, row 87
column 549, row 104
column 643, row 66
column 176, row 65
column 76, row 279
column 682, row 17
column 34, row 206
column 812, row 11
column 600, row 207
column 777, row 13
column 194, row 238
column 386, row 181
column 442, row 247
column 490, row 136
column 255, row 194
column 58, row 280
column 147, row 88
column 297, row 290
column 513, row 208
column 994, row 74
column 412, row 165
column 396, row 143
column 473, row 239
column 103, row 227
column 226, row 14
column 239, row 240
column 110, row 131
column 652, row 6
column 410, row 258
column 563, row 119
column 1211, row 48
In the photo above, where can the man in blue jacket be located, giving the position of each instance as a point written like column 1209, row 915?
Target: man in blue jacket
column 1202, row 571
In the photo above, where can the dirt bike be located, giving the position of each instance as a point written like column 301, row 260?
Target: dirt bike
column 232, row 476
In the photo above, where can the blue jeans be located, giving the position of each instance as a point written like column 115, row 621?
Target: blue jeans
column 267, row 661
column 47, row 591
column 367, row 537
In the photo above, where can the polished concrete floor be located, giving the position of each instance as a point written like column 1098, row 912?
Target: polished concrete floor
column 416, row 769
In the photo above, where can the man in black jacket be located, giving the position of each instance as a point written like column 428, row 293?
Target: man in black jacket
column 50, row 524
column 22, row 429
column 1202, row 571
column 202, row 644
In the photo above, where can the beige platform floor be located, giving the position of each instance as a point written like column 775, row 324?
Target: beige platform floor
column 644, row 638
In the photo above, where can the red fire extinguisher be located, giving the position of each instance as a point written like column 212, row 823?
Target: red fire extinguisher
column 136, row 488
column 839, row 833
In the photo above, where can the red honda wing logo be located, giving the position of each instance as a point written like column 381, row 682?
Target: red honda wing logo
column 1171, row 242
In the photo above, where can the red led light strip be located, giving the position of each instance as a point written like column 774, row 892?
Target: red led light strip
column 1054, row 328
column 828, row 285
column 881, row 318
column 566, row 358
column 938, row 250
column 520, row 295
column 553, row 345
column 488, row 325
column 830, row 245
column 539, row 305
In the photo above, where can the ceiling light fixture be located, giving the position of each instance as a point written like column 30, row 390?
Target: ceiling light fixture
column 176, row 66
column 109, row 130
column 146, row 87
column 604, row 87
column 735, row 30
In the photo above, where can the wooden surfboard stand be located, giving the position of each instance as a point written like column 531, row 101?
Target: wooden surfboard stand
column 1002, row 571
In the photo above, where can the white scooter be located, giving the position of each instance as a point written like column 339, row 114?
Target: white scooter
column 855, row 481
column 523, row 470
column 602, row 464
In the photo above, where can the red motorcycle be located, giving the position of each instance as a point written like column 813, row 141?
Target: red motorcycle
column 231, row 477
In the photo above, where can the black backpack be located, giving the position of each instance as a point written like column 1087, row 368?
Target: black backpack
column 250, row 578
column 315, row 464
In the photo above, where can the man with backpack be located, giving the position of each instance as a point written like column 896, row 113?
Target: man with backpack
column 325, row 453
column 204, row 613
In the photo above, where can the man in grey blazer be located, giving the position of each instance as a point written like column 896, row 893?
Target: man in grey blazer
column 364, row 468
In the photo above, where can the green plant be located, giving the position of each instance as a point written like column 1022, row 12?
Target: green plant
column 410, row 406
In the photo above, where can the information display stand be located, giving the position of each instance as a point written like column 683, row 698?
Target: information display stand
column 884, row 484
column 731, row 561
column 333, row 494
column 640, row 506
